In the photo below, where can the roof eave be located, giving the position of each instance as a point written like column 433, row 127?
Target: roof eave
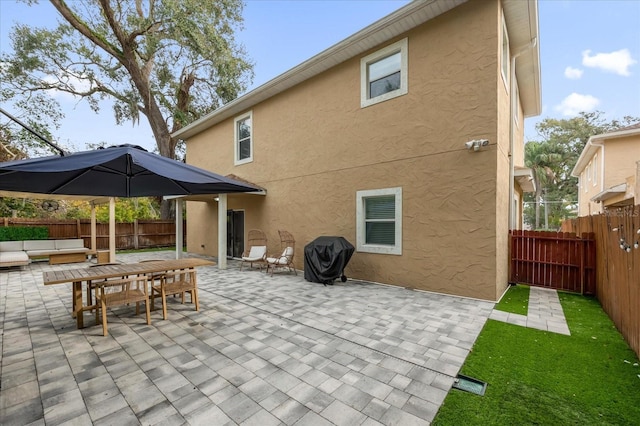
column 596, row 142
column 393, row 25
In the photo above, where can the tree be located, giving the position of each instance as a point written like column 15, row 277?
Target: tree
column 542, row 159
column 553, row 158
column 170, row 60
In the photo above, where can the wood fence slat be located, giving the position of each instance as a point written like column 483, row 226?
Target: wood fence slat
column 550, row 259
column 611, row 273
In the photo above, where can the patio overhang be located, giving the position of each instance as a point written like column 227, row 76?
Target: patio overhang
column 524, row 177
column 609, row 193
column 221, row 199
column 214, row 197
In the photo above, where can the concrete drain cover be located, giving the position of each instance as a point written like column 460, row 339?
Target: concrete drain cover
column 469, row 384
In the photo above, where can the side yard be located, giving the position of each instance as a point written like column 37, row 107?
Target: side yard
column 538, row 377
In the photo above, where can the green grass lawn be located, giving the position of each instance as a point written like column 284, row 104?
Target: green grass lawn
column 516, row 300
column 541, row 378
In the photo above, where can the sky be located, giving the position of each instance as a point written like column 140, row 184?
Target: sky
column 589, row 56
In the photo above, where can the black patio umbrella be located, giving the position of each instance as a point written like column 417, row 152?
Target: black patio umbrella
column 117, row 171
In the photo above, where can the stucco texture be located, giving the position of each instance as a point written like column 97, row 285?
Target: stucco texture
column 315, row 147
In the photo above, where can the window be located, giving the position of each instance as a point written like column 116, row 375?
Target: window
column 379, row 221
column 243, row 144
column 506, row 56
column 595, row 169
column 589, row 172
column 383, row 74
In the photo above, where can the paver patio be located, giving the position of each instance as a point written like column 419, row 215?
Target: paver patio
column 261, row 351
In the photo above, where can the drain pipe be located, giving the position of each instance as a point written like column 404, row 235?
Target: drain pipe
column 514, row 104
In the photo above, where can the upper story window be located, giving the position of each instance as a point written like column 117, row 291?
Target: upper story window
column 383, row 74
column 243, row 140
column 379, row 221
column 595, row 169
column 506, row 55
column 589, row 172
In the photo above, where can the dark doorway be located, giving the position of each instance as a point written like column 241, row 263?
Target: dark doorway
column 235, row 233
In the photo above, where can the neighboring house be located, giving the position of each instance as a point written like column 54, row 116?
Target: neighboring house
column 608, row 171
column 405, row 138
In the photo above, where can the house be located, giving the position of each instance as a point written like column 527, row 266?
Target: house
column 405, row 138
column 608, row 171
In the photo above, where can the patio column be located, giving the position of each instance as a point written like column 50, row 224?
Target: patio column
column 94, row 229
column 112, row 229
column 179, row 230
column 222, row 231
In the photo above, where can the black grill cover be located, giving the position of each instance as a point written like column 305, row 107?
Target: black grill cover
column 325, row 259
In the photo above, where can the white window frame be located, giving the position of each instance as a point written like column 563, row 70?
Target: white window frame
column 505, row 58
column 236, row 141
column 595, row 169
column 361, row 246
column 401, row 46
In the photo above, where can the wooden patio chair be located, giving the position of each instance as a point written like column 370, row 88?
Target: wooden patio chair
column 121, row 291
column 285, row 260
column 176, row 282
column 91, row 286
column 257, row 245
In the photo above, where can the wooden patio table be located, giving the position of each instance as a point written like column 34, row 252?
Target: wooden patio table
column 98, row 273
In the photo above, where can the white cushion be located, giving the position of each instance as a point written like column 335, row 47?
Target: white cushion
column 256, row 253
column 13, row 257
column 34, row 253
column 68, row 244
column 73, row 250
column 39, row 245
column 11, row 246
column 284, row 257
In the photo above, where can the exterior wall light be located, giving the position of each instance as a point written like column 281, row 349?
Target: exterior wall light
column 476, row 144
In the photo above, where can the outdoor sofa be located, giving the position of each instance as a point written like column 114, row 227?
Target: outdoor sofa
column 19, row 253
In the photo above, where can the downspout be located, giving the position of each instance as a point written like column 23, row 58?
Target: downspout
column 512, row 127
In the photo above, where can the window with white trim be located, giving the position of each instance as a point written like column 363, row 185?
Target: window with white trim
column 243, row 139
column 595, row 169
column 379, row 221
column 383, row 74
column 506, row 55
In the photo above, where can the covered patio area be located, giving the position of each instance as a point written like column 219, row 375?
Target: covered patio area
column 262, row 351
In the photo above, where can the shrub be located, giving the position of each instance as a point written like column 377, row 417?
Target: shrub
column 21, row 233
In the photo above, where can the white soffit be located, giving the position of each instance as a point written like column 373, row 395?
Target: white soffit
column 610, row 192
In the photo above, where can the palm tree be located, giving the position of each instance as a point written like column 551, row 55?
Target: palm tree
column 542, row 159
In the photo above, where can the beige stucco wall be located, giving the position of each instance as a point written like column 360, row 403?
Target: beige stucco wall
column 314, row 147
column 620, row 159
column 620, row 156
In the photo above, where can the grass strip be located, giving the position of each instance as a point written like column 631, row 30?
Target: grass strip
column 516, row 300
column 543, row 378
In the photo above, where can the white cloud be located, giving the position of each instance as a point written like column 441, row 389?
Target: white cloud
column 70, row 80
column 573, row 73
column 576, row 103
column 617, row 62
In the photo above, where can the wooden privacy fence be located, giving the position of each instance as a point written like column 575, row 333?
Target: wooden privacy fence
column 557, row 260
column 618, row 266
column 129, row 235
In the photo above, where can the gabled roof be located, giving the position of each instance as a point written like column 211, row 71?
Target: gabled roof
column 522, row 25
column 596, row 142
